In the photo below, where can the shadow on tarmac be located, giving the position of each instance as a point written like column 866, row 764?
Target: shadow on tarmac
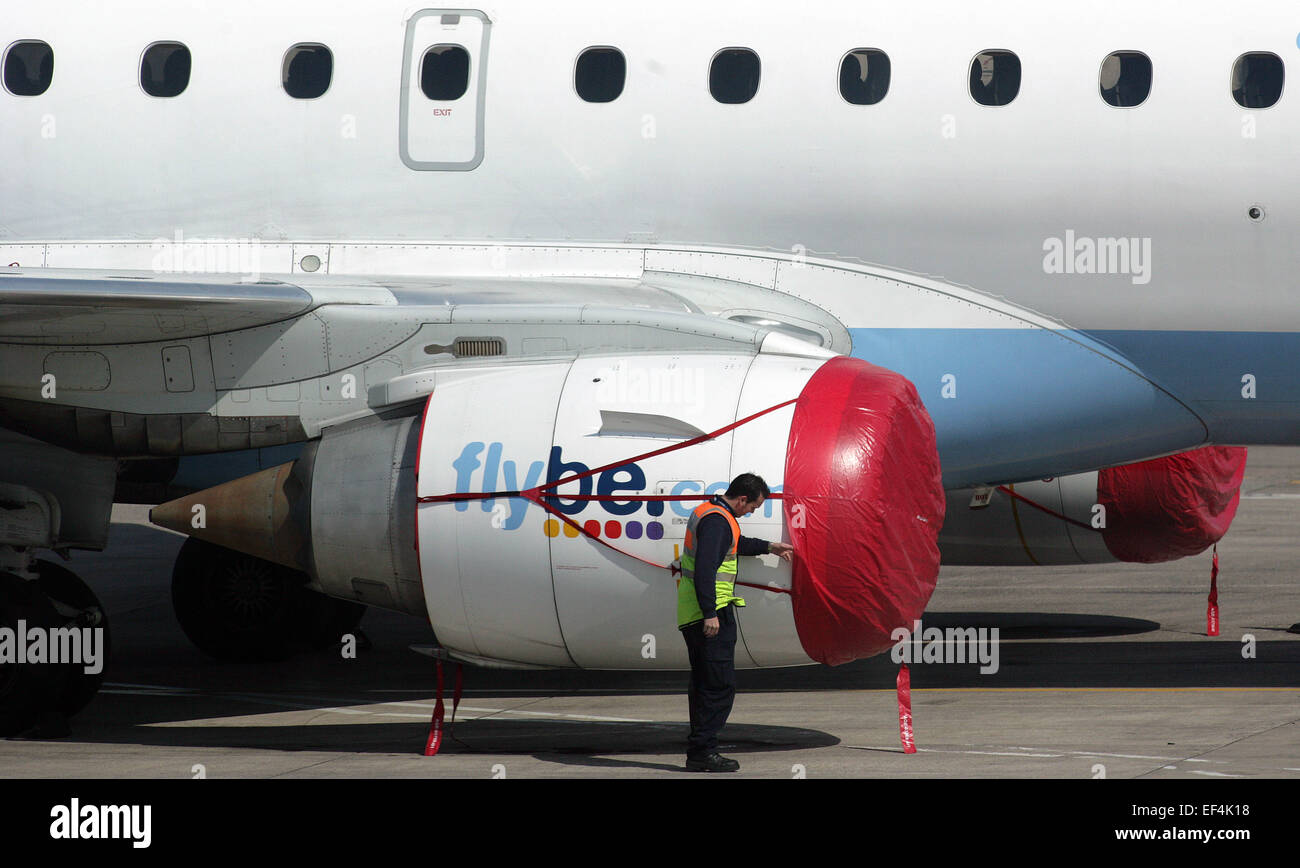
column 157, row 677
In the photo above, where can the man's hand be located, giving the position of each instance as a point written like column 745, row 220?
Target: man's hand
column 785, row 551
column 710, row 627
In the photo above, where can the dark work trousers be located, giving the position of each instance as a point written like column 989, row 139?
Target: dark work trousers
column 713, row 681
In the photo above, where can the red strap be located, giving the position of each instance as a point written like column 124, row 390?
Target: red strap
column 666, row 449
column 776, row 495
column 533, row 493
column 582, row 530
column 536, row 495
column 435, row 726
column 1018, row 496
column 904, row 686
column 1212, row 605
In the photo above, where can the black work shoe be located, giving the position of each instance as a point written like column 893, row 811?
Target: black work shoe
column 714, row 762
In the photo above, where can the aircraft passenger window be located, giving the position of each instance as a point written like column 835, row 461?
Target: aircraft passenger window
column 29, row 68
column 444, row 72
column 994, row 77
column 1125, row 79
column 864, row 76
column 307, row 69
column 733, row 75
column 165, row 69
column 1257, row 79
column 599, row 74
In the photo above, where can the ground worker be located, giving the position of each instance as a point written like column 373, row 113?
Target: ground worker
column 706, row 611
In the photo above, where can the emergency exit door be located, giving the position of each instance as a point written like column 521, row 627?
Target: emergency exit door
column 444, row 75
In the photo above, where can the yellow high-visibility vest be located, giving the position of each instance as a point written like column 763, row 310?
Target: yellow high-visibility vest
column 688, row 608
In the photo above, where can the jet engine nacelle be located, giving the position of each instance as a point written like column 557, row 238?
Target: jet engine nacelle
column 534, row 511
column 1147, row 512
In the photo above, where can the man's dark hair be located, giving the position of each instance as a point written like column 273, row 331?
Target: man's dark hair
column 751, row 485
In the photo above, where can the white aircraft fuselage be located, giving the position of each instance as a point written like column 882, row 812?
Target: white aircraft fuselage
column 1128, row 231
column 1069, row 284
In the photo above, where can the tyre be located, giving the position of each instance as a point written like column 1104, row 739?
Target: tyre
column 27, row 690
column 239, row 608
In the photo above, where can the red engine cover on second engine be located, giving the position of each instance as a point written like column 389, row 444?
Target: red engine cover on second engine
column 1169, row 508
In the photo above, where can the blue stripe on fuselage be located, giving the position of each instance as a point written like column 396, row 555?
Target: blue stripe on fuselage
column 1207, row 371
column 1023, row 403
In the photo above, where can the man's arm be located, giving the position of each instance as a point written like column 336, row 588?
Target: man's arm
column 749, row 545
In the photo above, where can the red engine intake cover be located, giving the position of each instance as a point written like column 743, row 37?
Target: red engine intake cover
column 864, row 503
column 1169, row 508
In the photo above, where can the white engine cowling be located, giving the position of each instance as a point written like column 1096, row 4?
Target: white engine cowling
column 552, row 596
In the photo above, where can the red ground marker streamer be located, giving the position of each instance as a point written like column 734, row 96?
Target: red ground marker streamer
column 435, row 724
column 1212, row 605
column 904, row 686
column 864, row 504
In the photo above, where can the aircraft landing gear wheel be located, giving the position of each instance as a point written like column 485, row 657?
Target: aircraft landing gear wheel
column 27, row 690
column 239, row 608
column 77, row 604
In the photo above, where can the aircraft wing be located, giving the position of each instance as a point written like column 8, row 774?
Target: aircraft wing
column 133, row 364
column 74, row 306
column 67, row 307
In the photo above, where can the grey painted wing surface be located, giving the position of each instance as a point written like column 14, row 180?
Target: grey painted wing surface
column 67, row 306
column 87, row 307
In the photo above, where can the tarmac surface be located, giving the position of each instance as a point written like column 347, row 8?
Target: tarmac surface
column 1104, row 671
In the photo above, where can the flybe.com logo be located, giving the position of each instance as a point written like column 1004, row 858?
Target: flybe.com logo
column 481, row 469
